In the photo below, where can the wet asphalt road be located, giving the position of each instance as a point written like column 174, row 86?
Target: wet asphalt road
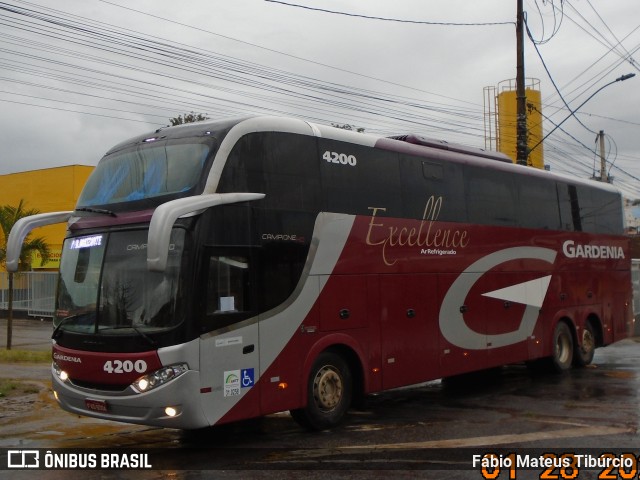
column 428, row 431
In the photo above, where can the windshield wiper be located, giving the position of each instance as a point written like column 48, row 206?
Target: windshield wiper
column 149, row 340
column 146, row 337
column 96, row 210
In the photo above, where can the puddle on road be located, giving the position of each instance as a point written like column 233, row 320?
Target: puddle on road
column 36, row 420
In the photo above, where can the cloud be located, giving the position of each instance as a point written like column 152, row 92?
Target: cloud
column 110, row 70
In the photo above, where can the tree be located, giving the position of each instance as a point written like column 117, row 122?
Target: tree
column 188, row 118
column 9, row 215
column 346, row 126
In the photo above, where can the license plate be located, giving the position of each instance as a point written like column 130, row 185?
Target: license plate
column 96, row 405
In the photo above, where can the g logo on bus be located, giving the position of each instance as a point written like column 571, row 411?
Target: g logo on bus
column 531, row 294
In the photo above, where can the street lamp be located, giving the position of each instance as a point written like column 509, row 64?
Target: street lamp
column 619, row 79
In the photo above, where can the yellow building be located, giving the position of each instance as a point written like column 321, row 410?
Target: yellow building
column 46, row 190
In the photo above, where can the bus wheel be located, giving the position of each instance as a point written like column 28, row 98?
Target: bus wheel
column 583, row 354
column 562, row 348
column 329, row 393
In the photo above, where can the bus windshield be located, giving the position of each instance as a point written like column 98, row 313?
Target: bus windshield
column 145, row 171
column 105, row 286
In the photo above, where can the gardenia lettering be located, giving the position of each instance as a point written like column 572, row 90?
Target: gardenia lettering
column 66, row 358
column 426, row 235
column 573, row 250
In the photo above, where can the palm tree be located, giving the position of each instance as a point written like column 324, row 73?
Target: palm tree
column 9, row 215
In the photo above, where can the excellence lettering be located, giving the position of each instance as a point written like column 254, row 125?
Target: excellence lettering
column 426, row 235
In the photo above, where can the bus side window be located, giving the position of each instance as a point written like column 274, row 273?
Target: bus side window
column 538, row 204
column 569, row 207
column 227, row 298
column 491, row 198
column 227, row 282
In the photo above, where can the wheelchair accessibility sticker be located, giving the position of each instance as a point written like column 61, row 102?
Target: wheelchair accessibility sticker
column 236, row 380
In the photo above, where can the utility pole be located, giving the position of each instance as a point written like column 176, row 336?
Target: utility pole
column 521, row 112
column 603, row 164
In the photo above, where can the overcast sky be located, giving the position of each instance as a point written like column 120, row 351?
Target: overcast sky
column 78, row 76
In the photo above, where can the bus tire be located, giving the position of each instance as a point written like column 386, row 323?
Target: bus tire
column 329, row 393
column 562, row 358
column 583, row 353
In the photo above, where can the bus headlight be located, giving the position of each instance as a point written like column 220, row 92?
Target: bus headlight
column 159, row 377
column 62, row 375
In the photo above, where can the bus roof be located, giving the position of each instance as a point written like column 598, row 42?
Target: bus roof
column 412, row 144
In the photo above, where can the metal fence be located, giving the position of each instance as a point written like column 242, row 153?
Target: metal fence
column 33, row 292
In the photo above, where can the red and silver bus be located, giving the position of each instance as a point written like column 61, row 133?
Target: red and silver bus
column 218, row 271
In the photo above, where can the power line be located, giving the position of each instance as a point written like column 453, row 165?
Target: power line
column 624, row 54
column 368, row 17
column 556, row 24
column 546, row 69
column 279, row 52
column 589, row 83
column 360, row 93
column 560, row 128
column 77, row 104
column 74, row 111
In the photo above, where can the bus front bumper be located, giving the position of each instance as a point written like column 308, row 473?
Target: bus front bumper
column 172, row 405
